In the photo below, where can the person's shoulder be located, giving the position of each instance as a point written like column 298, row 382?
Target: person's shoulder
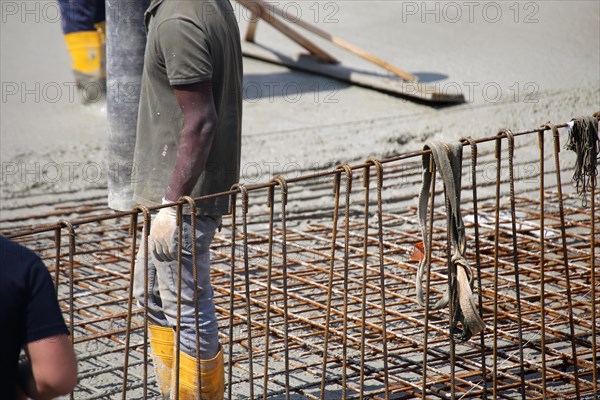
column 198, row 13
column 13, row 254
column 10, row 247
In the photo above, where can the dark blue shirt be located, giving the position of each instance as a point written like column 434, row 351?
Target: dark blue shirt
column 29, row 309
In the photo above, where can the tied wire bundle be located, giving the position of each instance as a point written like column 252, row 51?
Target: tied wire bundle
column 583, row 140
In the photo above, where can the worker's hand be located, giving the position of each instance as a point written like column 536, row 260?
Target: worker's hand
column 162, row 234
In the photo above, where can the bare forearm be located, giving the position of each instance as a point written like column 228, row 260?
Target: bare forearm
column 195, row 141
column 192, row 156
column 30, row 388
column 50, row 370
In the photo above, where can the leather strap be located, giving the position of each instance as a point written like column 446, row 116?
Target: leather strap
column 448, row 161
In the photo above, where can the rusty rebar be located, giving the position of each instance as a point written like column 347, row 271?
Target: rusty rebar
column 281, row 181
column 565, row 256
column 498, row 155
column 270, row 201
column 336, row 189
column 473, row 144
column 379, row 169
column 177, row 341
column 348, row 173
column 232, row 203
column 71, row 231
column 193, row 215
column 429, row 237
column 244, row 192
column 513, row 224
column 542, row 266
column 341, row 319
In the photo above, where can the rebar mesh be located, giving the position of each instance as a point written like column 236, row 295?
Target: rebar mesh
column 314, row 282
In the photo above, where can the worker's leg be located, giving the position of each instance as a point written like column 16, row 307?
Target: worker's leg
column 161, row 334
column 100, row 11
column 83, row 26
column 81, row 15
column 210, row 350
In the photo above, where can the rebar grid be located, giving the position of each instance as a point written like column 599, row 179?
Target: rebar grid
column 314, row 284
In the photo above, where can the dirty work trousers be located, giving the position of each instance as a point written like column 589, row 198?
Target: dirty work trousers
column 162, row 288
column 81, row 15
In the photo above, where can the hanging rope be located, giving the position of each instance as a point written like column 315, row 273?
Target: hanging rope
column 583, row 140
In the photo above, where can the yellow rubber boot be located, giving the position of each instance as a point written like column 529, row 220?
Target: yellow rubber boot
column 87, row 50
column 212, row 376
column 161, row 341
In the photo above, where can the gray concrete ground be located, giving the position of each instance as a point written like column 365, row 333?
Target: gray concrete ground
column 519, row 64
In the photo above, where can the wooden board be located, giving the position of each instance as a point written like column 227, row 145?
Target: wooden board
column 384, row 83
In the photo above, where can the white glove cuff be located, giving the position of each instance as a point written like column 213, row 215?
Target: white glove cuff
column 170, row 211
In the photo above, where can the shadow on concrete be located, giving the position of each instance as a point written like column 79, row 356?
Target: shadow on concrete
column 289, row 84
column 429, row 77
column 419, row 93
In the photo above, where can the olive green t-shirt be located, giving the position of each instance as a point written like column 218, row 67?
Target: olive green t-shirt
column 189, row 41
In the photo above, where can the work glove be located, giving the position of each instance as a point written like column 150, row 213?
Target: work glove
column 162, row 234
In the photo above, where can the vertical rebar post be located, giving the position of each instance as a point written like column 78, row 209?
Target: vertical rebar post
column 177, row 345
column 593, row 284
column 232, row 205
column 348, row 172
column 384, row 332
column 541, row 263
column 57, row 245
column 271, row 206
column 244, row 192
column 280, row 180
column 565, row 255
column 71, row 230
column 336, row 190
column 593, row 244
column 193, row 215
column 513, row 222
column 498, row 155
column 471, row 142
column 133, row 234
column 363, row 313
column 429, row 238
column 452, row 283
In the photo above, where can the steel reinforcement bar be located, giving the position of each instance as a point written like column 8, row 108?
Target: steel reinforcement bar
column 314, row 281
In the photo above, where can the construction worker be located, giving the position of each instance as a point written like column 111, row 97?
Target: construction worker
column 31, row 320
column 188, row 143
column 83, row 24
